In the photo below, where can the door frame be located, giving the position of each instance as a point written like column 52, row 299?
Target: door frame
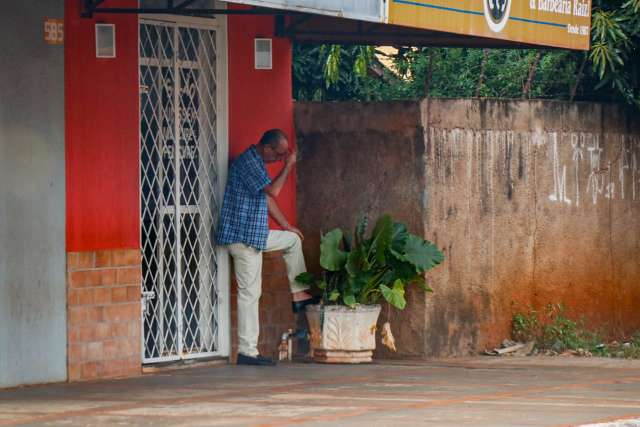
column 223, row 282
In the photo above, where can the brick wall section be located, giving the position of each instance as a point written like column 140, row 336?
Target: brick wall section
column 103, row 303
column 275, row 306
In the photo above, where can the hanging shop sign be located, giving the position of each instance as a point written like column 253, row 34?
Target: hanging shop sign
column 558, row 23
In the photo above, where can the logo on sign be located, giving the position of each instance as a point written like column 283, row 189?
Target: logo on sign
column 496, row 12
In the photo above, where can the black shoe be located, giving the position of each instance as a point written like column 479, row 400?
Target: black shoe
column 255, row 361
column 301, row 334
column 298, row 306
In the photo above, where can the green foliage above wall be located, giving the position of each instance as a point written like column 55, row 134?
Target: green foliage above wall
column 610, row 71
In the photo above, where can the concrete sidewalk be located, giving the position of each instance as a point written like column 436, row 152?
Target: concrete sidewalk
column 456, row 392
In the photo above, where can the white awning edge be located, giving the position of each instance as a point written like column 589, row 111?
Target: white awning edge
column 363, row 10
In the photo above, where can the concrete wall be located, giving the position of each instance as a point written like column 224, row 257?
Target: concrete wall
column 362, row 158
column 535, row 203
column 532, row 203
column 32, row 198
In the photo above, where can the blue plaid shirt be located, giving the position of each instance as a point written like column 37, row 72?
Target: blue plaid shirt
column 244, row 216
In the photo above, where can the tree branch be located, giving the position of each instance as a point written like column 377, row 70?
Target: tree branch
column 526, row 89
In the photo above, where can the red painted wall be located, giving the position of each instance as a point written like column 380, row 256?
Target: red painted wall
column 102, row 121
column 101, row 103
column 260, row 99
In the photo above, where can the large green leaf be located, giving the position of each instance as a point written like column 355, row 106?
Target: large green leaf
column 395, row 295
column 358, row 284
column 306, row 278
column 331, row 257
column 348, row 242
column 356, row 261
column 349, row 300
column 382, row 236
column 402, row 269
column 399, row 237
column 421, row 253
column 421, row 282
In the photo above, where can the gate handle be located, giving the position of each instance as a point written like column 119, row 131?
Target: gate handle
column 147, row 296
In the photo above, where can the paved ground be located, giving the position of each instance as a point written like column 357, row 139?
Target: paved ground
column 457, row 392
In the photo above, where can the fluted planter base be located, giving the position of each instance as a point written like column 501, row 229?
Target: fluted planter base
column 329, row 356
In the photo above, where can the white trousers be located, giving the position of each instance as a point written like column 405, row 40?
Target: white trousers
column 247, row 262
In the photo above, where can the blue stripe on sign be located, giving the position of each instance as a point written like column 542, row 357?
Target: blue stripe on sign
column 473, row 12
column 553, row 24
column 433, row 6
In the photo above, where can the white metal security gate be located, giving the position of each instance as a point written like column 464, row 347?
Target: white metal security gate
column 180, row 192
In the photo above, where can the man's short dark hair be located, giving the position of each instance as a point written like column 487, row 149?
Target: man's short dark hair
column 272, row 137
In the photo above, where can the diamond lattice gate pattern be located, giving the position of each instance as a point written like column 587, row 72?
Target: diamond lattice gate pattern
column 179, row 191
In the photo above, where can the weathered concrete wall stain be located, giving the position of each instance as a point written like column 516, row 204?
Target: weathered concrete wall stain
column 570, row 182
column 533, row 203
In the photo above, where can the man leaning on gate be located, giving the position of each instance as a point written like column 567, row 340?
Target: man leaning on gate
column 249, row 199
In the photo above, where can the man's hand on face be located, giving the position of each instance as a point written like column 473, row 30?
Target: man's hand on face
column 291, row 159
column 295, row 230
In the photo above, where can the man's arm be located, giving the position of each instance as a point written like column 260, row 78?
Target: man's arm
column 276, row 213
column 274, row 188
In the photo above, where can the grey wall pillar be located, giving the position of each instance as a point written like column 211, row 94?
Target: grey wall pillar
column 32, row 197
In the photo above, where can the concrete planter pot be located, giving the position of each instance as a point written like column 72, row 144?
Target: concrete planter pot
column 341, row 334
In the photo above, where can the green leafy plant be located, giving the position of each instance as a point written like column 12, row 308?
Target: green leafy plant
column 561, row 333
column 525, row 326
column 609, row 71
column 361, row 269
column 554, row 330
column 632, row 349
